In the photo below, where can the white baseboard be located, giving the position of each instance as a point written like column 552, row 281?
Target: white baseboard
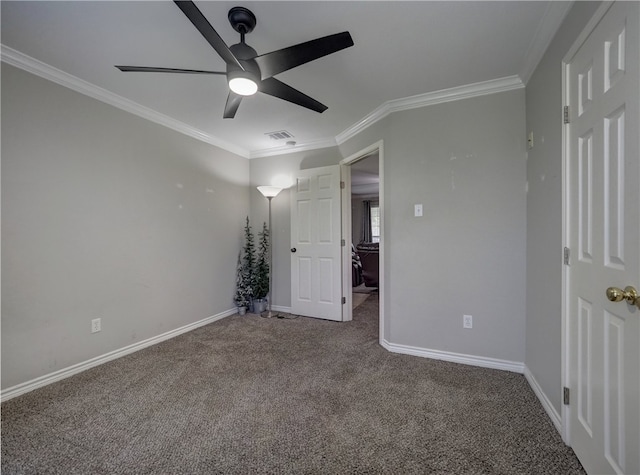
column 50, row 378
column 482, row 361
column 544, row 400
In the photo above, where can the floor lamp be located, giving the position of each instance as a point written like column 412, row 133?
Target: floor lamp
column 270, row 192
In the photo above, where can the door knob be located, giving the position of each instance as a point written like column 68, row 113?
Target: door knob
column 293, row 249
column 629, row 294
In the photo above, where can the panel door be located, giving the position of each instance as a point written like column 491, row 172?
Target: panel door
column 604, row 229
column 316, row 284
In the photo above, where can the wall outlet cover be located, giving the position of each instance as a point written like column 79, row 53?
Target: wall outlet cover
column 467, row 321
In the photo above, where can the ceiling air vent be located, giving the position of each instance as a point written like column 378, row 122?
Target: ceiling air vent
column 280, row 135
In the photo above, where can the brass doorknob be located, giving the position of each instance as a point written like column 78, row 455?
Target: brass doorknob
column 629, row 294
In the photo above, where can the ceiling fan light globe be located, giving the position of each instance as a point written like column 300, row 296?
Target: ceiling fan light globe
column 243, row 86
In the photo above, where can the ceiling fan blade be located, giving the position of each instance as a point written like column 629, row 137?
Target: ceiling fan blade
column 150, row 69
column 276, row 88
column 233, row 102
column 204, row 27
column 276, row 62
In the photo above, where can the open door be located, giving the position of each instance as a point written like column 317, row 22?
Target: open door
column 603, row 228
column 316, row 284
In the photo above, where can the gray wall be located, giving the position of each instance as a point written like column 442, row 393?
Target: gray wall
column 107, row 215
column 544, row 208
column 465, row 162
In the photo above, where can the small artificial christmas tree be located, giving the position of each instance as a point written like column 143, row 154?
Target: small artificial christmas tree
column 243, row 287
column 248, row 261
column 261, row 282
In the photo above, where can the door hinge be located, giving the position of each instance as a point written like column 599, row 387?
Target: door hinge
column 567, row 256
column 566, row 114
column 343, row 242
column 565, row 396
column 342, row 185
column 344, row 300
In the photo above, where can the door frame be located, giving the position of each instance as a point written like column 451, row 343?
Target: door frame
column 566, row 215
column 345, row 167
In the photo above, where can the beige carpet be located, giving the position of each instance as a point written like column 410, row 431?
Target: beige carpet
column 248, row 395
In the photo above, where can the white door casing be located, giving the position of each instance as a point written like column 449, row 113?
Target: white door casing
column 603, row 233
column 316, row 284
column 347, row 265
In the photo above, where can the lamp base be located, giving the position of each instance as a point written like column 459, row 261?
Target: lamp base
column 270, row 314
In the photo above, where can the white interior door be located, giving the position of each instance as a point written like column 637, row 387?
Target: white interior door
column 316, row 284
column 604, row 236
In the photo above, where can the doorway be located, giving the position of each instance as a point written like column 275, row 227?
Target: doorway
column 365, row 228
column 363, row 231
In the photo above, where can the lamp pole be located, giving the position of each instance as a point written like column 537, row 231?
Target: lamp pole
column 269, row 314
column 270, row 192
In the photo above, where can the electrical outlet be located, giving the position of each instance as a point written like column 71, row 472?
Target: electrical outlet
column 467, row 321
column 96, row 325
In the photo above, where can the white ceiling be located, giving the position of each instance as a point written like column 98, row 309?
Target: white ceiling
column 401, row 49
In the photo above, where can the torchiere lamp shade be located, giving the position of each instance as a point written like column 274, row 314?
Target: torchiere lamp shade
column 269, row 191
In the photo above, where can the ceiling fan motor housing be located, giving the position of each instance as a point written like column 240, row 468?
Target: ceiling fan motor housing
column 245, row 55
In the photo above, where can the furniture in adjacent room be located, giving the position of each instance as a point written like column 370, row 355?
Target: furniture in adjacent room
column 356, row 267
column 369, row 258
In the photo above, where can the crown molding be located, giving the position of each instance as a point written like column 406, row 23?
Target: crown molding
column 431, row 98
column 34, row 66
column 298, row 147
column 552, row 18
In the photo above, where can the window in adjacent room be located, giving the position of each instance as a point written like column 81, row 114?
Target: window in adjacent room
column 375, row 223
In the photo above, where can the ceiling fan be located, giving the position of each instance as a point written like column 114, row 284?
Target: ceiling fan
column 248, row 73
